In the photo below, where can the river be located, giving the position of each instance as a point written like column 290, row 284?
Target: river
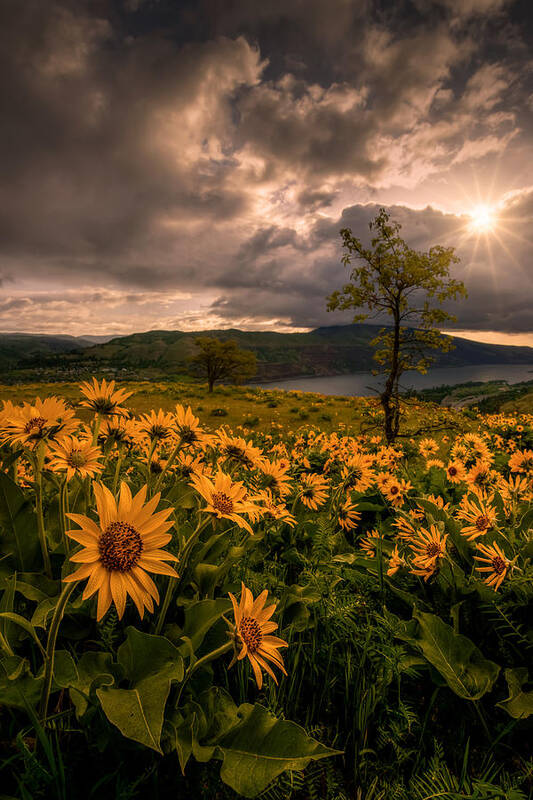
column 361, row 384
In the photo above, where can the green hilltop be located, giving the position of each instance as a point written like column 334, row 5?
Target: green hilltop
column 324, row 351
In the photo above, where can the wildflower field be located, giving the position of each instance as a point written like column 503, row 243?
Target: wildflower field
column 252, row 595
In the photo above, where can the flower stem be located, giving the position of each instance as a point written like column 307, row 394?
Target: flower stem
column 167, row 466
column 171, row 587
column 173, row 582
column 117, row 470
column 38, row 468
column 200, row 663
column 51, row 647
column 96, row 429
column 63, row 502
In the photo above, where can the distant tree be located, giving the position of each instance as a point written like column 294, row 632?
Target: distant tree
column 392, row 279
column 223, row 360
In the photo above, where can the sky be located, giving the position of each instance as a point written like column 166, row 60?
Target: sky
column 188, row 165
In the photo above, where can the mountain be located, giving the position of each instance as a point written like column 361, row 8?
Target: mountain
column 324, row 351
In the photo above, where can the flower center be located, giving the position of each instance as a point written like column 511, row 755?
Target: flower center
column 452, row 471
column 34, row 426
column 187, row 435
column 222, row 503
column 498, row 565
column 76, row 458
column 250, row 633
column 103, row 405
column 482, row 523
column 120, row 547
column 433, row 549
column 394, row 490
column 159, row 432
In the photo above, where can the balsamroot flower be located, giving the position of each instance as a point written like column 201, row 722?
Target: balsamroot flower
column 32, row 423
column 493, row 561
column 252, row 634
column 103, row 399
column 480, row 515
column 225, row 498
column 75, row 457
column 120, row 550
column 314, row 491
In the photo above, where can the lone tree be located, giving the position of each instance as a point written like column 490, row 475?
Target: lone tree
column 223, row 360
column 390, row 278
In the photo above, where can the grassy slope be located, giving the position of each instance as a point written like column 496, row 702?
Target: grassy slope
column 521, row 405
column 292, row 410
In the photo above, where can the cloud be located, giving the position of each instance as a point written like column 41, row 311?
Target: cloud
column 204, row 158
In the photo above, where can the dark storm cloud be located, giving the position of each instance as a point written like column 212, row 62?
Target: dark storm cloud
column 499, row 280
column 194, row 158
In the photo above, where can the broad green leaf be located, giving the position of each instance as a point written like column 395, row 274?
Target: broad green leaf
column 18, row 525
column 200, row 618
column 36, row 586
column 65, row 670
column 18, row 687
column 260, row 747
column 519, row 704
column 253, row 744
column 22, row 622
column 94, row 670
column 294, row 605
column 44, row 610
column 462, row 665
column 150, row 663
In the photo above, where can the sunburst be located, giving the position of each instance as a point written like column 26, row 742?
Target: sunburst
column 483, row 218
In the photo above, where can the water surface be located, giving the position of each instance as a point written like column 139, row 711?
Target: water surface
column 364, row 383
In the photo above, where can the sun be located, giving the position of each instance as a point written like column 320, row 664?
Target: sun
column 482, row 218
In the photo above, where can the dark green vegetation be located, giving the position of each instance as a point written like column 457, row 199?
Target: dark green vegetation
column 217, row 360
column 325, row 351
column 400, row 688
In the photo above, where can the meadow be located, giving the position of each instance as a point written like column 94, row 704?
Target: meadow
column 250, row 594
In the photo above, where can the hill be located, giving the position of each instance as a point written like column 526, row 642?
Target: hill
column 324, row 351
column 20, row 349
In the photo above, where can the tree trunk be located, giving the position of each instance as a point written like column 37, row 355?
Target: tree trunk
column 389, row 397
column 210, row 384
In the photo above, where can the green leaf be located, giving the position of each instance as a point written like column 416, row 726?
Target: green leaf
column 254, row 745
column 526, row 522
column 260, row 747
column 519, row 704
column 454, row 656
column 94, row 670
column 18, row 525
column 18, row 686
column 22, row 622
column 200, row 618
column 150, row 663
column 65, row 670
column 36, row 586
column 44, row 610
column 6, row 604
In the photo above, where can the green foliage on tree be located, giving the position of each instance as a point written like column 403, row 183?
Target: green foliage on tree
column 390, row 278
column 223, row 360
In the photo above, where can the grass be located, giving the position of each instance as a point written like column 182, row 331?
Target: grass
column 246, row 407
